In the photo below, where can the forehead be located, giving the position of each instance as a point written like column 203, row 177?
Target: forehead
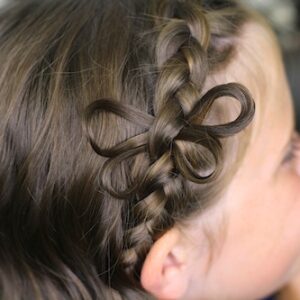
column 257, row 64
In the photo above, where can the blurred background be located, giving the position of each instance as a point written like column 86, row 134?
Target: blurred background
column 284, row 16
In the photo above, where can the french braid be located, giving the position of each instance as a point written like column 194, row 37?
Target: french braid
column 176, row 146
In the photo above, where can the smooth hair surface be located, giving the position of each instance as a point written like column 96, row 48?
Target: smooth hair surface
column 103, row 141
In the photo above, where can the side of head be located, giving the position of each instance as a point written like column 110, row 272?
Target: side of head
column 113, row 158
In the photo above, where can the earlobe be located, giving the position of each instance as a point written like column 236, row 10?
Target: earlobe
column 165, row 273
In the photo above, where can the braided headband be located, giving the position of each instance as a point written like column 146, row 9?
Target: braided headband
column 185, row 130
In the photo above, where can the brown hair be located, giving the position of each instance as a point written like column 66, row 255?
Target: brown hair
column 103, row 142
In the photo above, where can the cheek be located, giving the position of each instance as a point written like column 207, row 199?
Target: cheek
column 275, row 227
column 263, row 240
column 286, row 207
column 289, row 239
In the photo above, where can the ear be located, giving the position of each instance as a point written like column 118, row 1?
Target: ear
column 165, row 271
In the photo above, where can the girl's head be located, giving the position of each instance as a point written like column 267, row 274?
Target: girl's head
column 143, row 152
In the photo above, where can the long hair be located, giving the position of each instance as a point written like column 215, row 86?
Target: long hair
column 103, row 141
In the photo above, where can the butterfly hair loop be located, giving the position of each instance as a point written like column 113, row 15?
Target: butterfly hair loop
column 207, row 136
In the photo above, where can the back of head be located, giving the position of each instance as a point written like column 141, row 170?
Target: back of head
column 104, row 144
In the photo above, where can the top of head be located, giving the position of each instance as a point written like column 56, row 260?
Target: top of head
column 140, row 80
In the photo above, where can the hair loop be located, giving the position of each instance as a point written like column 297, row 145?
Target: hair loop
column 172, row 130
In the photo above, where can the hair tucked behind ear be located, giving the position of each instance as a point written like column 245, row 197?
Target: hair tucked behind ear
column 102, row 136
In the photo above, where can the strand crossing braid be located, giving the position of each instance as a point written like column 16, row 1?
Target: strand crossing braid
column 156, row 195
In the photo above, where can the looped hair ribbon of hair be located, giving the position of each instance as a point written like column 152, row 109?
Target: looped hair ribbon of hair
column 186, row 129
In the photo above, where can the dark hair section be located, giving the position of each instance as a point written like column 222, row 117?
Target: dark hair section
column 102, row 108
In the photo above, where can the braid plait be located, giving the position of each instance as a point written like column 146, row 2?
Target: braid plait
column 157, row 196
